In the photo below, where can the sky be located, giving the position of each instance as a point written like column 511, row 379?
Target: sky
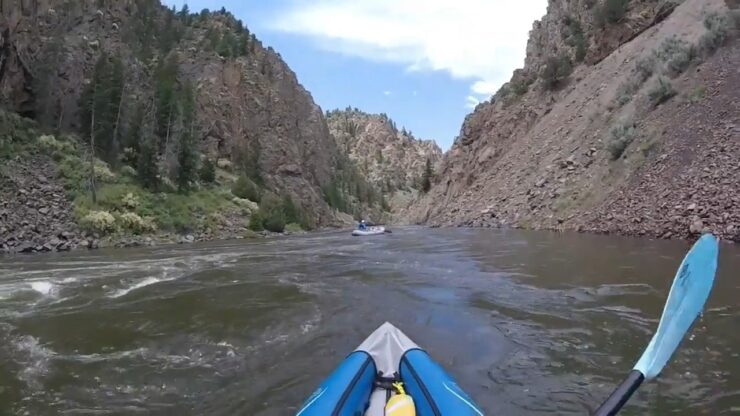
column 425, row 63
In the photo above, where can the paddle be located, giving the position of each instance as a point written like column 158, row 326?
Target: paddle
column 685, row 302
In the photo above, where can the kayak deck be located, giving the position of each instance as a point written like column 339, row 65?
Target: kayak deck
column 361, row 384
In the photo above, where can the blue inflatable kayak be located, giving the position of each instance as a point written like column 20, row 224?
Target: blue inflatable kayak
column 388, row 375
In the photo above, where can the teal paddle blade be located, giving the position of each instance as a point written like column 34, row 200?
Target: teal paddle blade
column 686, row 300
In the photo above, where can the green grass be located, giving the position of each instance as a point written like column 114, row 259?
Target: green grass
column 169, row 211
column 293, row 228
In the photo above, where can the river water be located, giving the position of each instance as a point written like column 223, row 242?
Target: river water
column 529, row 323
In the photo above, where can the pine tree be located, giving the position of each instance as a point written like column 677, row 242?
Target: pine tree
column 426, row 179
column 187, row 162
column 100, row 106
column 131, row 138
column 228, row 46
column 146, row 165
column 166, row 99
column 244, row 44
column 187, row 157
column 208, row 171
column 184, row 14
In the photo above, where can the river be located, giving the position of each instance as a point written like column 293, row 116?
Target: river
column 529, row 323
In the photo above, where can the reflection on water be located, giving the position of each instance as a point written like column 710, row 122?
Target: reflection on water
column 528, row 323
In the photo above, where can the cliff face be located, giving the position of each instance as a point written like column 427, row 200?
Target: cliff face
column 389, row 158
column 626, row 123
column 249, row 104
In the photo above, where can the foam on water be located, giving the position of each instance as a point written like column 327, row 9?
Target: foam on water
column 138, row 285
column 44, row 287
column 35, row 357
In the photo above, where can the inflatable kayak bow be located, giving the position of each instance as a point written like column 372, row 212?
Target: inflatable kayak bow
column 389, row 375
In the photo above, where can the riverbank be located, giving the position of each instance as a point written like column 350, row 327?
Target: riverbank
column 48, row 202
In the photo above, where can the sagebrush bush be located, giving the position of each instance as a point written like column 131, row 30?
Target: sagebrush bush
column 556, row 70
column 676, row 54
column 51, row 145
column 661, row 91
column 130, row 201
column 620, row 136
column 645, row 66
column 245, row 188
column 718, row 28
column 102, row 222
column 131, row 222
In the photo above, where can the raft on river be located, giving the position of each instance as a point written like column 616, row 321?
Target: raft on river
column 379, row 376
column 368, row 231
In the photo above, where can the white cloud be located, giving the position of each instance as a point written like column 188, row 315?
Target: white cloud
column 387, row 93
column 479, row 40
column 471, row 101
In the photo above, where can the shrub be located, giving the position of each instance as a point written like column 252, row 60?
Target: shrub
column 293, row 213
column 718, row 29
column 98, row 222
column 610, row 11
column 556, row 70
column 51, row 145
column 627, row 89
column 255, row 222
column 697, row 94
column 128, row 171
column 661, row 91
column 224, row 164
column 130, row 201
column 245, row 188
column 248, row 205
column 272, row 213
column 103, row 172
column 645, row 66
column 620, row 136
column 137, row 225
column 677, row 55
column 208, row 171
column 293, row 228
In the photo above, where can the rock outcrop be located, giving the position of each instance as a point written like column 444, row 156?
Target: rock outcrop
column 391, row 159
column 641, row 138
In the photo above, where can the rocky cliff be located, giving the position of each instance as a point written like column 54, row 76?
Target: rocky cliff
column 248, row 100
column 392, row 159
column 165, row 79
column 624, row 119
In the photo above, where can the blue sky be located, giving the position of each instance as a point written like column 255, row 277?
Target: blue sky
column 425, row 63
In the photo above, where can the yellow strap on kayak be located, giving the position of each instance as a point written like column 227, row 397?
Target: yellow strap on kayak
column 401, row 404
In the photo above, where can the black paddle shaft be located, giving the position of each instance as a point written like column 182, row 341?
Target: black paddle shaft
column 620, row 396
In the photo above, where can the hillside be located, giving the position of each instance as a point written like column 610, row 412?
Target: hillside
column 623, row 120
column 391, row 159
column 165, row 93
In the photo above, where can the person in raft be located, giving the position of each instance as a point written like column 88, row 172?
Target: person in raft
column 362, row 225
